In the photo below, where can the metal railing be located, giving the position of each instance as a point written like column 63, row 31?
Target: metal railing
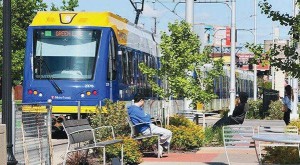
column 32, row 133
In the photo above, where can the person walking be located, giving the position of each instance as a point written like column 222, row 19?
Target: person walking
column 287, row 103
column 137, row 115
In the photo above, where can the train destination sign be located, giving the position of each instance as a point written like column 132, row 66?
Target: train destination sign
column 67, row 33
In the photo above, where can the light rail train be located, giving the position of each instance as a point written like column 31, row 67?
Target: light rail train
column 79, row 59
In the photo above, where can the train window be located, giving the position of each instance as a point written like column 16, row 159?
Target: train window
column 130, row 68
column 112, row 65
column 140, row 75
column 65, row 54
column 153, row 62
column 133, row 68
column 124, row 65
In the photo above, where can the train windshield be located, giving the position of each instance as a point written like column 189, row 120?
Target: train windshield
column 65, row 54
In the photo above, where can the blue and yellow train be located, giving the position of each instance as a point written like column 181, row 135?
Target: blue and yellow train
column 83, row 58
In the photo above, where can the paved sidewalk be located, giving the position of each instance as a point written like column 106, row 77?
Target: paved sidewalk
column 214, row 155
column 205, row 155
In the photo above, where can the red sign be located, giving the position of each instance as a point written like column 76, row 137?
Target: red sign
column 228, row 36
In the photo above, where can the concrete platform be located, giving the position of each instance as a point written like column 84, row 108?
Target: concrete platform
column 204, row 156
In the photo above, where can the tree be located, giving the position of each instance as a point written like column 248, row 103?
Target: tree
column 182, row 66
column 67, row 6
column 290, row 64
column 23, row 12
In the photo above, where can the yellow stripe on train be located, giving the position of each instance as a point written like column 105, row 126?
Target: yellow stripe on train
column 62, row 109
column 99, row 19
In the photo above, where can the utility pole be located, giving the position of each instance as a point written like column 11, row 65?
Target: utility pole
column 155, row 19
column 254, row 66
column 189, row 18
column 232, row 58
column 6, row 81
column 189, row 12
column 294, row 114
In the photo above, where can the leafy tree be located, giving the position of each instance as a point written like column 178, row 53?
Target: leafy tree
column 290, row 64
column 67, row 6
column 23, row 12
column 180, row 58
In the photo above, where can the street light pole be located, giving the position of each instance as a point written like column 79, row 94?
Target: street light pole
column 255, row 66
column 189, row 12
column 294, row 114
column 232, row 59
column 6, row 81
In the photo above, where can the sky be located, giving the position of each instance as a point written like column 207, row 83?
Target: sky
column 204, row 13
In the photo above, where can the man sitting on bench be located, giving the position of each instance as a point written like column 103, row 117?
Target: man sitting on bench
column 137, row 115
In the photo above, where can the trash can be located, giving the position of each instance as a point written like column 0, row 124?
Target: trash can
column 268, row 96
column 3, row 146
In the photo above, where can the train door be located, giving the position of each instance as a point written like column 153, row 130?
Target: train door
column 112, row 69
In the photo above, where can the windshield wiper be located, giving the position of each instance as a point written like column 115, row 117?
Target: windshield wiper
column 49, row 77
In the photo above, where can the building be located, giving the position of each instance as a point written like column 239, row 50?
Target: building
column 277, row 76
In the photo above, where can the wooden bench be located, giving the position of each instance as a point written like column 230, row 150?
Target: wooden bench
column 81, row 136
column 137, row 136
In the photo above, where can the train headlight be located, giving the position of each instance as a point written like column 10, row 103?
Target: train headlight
column 82, row 95
column 88, row 93
column 35, row 92
column 40, row 95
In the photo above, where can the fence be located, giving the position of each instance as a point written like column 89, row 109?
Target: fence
column 32, row 133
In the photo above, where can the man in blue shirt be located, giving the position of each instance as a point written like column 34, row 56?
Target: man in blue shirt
column 137, row 115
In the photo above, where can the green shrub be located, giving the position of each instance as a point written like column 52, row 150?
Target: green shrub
column 114, row 114
column 132, row 154
column 186, row 134
column 255, row 108
column 281, row 155
column 186, row 138
column 213, row 137
column 224, row 112
column 275, row 110
column 295, row 123
column 180, row 120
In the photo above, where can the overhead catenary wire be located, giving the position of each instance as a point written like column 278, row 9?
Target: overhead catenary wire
column 170, row 9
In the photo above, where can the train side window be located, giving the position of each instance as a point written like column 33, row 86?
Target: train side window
column 133, row 68
column 124, row 65
column 112, row 64
column 130, row 68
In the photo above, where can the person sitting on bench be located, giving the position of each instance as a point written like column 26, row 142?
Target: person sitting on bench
column 238, row 114
column 137, row 115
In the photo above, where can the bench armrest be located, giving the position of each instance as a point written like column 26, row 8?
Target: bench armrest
column 142, row 123
column 111, row 127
